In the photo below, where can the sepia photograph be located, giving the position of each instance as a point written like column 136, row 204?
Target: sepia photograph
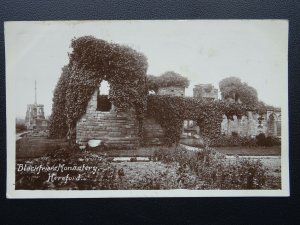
column 157, row 108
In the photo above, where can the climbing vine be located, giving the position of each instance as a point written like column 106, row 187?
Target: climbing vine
column 171, row 111
column 92, row 61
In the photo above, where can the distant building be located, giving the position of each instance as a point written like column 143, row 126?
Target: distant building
column 35, row 117
column 207, row 91
column 172, row 91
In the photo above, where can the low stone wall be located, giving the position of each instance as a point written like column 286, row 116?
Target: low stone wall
column 173, row 91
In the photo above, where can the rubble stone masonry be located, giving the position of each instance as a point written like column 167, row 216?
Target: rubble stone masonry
column 118, row 130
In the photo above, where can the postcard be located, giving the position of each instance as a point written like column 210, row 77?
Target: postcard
column 153, row 108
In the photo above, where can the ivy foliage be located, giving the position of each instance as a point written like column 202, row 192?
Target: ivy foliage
column 167, row 79
column 58, row 119
column 92, row 61
column 171, row 111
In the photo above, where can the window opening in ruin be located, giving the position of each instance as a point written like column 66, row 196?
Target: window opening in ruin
column 103, row 102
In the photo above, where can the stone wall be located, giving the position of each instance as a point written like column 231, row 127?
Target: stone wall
column 207, row 91
column 173, row 91
column 118, row 130
column 154, row 134
column 251, row 125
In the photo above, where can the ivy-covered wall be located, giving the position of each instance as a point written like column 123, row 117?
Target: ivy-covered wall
column 163, row 122
column 92, row 61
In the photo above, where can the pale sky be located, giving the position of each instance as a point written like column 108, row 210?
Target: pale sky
column 204, row 51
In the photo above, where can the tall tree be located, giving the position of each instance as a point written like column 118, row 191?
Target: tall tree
column 232, row 87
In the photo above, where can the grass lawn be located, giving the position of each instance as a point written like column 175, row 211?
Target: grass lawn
column 32, row 147
column 274, row 150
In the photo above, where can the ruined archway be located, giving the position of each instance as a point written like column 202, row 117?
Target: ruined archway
column 272, row 125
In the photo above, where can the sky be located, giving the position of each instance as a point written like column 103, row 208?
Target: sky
column 204, row 51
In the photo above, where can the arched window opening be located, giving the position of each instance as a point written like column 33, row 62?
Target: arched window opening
column 103, row 101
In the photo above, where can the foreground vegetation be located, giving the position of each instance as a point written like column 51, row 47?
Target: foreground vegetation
column 169, row 168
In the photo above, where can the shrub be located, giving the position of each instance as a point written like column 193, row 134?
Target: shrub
column 230, row 141
column 262, row 140
column 271, row 141
column 214, row 170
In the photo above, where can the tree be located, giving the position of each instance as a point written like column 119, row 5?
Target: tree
column 167, row 79
column 229, row 87
column 171, row 78
column 152, row 84
column 232, row 87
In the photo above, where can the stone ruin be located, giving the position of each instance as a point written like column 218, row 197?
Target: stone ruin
column 253, row 124
column 116, row 129
column 207, row 91
column 172, row 91
column 35, row 117
column 249, row 125
column 120, row 129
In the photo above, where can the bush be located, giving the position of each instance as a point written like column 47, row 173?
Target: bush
column 214, row 170
column 261, row 139
column 231, row 141
column 269, row 141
